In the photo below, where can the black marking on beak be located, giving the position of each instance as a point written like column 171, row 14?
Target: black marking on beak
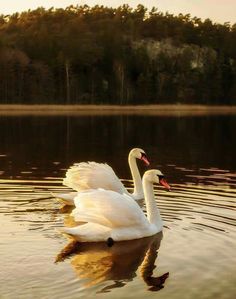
column 143, row 155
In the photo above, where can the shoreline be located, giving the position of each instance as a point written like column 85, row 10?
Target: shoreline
column 175, row 109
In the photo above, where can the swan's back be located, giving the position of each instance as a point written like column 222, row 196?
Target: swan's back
column 92, row 175
column 108, row 208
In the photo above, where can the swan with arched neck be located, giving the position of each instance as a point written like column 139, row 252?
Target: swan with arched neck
column 111, row 215
column 91, row 175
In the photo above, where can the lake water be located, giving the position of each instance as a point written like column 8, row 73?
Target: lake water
column 194, row 257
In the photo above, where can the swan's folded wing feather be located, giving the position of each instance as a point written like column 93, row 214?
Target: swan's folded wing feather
column 108, row 208
column 92, row 175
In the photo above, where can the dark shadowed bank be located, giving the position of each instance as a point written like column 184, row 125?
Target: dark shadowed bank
column 120, row 56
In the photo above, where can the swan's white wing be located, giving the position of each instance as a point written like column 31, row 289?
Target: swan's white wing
column 108, row 208
column 92, row 175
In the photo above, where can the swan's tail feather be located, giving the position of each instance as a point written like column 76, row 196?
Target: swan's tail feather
column 66, row 198
column 89, row 232
column 70, row 232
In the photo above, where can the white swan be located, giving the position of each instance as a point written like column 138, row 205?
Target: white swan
column 92, row 175
column 117, row 217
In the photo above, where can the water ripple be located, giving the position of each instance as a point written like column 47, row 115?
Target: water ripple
column 192, row 214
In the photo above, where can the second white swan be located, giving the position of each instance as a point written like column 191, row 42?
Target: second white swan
column 91, row 175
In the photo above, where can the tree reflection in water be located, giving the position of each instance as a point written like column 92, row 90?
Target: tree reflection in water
column 97, row 262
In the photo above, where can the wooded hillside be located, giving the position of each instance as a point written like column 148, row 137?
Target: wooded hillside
column 118, row 56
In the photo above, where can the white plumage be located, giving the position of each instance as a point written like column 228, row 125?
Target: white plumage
column 91, row 175
column 109, row 214
column 107, row 208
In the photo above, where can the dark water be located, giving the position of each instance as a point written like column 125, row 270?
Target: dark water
column 198, row 244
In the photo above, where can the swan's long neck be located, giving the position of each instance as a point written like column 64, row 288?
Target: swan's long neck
column 153, row 214
column 138, row 189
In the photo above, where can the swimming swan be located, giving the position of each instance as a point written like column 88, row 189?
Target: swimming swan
column 116, row 217
column 91, row 175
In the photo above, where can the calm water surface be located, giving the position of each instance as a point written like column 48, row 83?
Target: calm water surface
column 194, row 257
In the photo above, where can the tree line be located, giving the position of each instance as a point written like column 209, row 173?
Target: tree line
column 124, row 55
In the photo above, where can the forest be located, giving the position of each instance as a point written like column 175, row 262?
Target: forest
column 124, row 56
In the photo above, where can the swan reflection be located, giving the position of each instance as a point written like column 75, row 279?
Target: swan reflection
column 97, row 262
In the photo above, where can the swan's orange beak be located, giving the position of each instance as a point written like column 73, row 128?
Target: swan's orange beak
column 145, row 159
column 164, row 183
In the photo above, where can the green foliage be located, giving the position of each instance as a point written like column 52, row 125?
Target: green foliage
column 97, row 54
